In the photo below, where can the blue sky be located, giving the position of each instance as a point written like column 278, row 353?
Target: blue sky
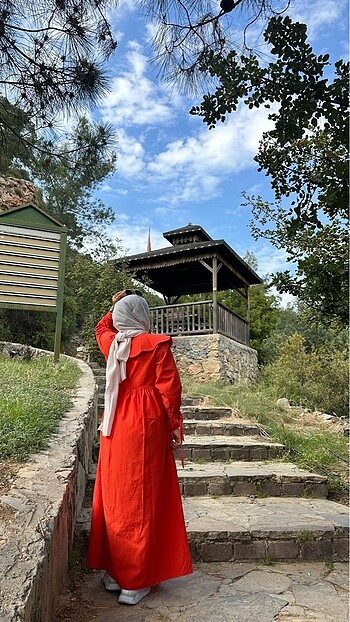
column 171, row 169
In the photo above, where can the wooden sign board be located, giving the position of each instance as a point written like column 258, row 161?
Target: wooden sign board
column 32, row 263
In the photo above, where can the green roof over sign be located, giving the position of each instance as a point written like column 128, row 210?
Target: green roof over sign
column 31, row 216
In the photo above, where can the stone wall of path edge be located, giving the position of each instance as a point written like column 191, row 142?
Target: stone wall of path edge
column 42, row 506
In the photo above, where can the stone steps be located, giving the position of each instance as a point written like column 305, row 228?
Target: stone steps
column 221, row 427
column 206, row 413
column 250, row 479
column 193, row 400
column 237, row 529
column 191, row 412
column 272, row 529
column 247, row 448
column 257, row 479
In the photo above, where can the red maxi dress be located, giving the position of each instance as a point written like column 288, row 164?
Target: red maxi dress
column 138, row 532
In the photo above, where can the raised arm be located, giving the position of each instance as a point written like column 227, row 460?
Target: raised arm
column 105, row 331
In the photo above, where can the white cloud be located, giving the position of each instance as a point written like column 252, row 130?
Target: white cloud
column 151, row 30
column 134, row 99
column 122, row 217
column 284, row 299
column 194, row 167
column 319, row 14
column 271, row 259
column 131, row 155
column 112, row 190
column 117, row 14
column 133, row 235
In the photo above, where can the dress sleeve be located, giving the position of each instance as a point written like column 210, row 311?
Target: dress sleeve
column 168, row 384
column 105, row 333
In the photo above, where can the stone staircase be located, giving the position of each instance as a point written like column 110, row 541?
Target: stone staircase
column 243, row 503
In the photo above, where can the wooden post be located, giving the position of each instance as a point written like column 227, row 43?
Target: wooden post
column 246, row 287
column 215, row 294
column 60, row 295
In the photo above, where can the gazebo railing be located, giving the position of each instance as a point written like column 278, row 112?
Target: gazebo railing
column 197, row 318
column 232, row 325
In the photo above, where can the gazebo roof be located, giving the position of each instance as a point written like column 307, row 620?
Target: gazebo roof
column 181, row 268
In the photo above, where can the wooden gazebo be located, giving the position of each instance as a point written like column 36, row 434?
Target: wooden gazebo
column 195, row 264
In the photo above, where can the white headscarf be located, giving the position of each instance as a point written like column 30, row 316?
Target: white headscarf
column 130, row 318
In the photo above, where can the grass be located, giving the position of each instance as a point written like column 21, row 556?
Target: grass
column 268, row 561
column 306, row 536
column 311, row 444
column 34, row 394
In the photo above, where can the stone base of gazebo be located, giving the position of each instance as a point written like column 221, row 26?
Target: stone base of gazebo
column 215, row 358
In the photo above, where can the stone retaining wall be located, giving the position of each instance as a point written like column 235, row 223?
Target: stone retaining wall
column 38, row 514
column 215, row 358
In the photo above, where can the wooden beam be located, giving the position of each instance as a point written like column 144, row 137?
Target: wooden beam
column 204, row 263
column 243, row 294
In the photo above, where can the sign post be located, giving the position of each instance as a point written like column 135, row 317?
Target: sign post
column 32, row 263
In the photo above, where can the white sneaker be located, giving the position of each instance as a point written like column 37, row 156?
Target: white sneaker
column 109, row 583
column 132, row 597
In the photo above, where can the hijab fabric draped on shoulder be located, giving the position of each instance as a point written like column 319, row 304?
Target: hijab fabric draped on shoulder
column 130, row 318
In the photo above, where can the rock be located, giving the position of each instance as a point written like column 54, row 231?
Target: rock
column 283, row 403
column 15, row 192
column 18, row 350
column 326, row 417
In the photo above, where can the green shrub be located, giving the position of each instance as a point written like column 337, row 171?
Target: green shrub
column 317, row 379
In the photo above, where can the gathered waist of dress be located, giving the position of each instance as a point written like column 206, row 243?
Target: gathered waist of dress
column 136, row 387
column 130, row 388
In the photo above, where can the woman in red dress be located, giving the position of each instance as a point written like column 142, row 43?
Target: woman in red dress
column 138, row 535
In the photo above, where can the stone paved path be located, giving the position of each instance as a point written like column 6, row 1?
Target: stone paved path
column 223, row 592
